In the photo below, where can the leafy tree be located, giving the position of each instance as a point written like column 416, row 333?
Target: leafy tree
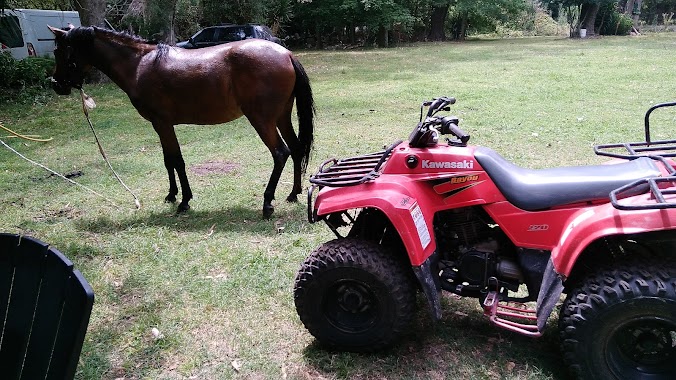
column 278, row 13
column 339, row 20
column 656, row 11
column 63, row 5
column 234, row 11
column 482, row 14
column 586, row 14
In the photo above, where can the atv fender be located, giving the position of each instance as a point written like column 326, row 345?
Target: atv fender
column 590, row 224
column 550, row 292
column 583, row 228
column 429, row 282
column 411, row 217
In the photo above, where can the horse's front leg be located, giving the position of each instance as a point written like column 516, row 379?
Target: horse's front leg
column 173, row 162
column 173, row 189
column 279, row 155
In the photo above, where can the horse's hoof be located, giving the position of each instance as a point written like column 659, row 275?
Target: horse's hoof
column 183, row 207
column 293, row 198
column 267, row 212
column 170, row 199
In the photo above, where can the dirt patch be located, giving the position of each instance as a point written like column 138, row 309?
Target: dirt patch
column 214, row 167
column 53, row 215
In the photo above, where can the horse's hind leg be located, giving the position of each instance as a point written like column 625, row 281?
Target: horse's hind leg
column 285, row 127
column 173, row 161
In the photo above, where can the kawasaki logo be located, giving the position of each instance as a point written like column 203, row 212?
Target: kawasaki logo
column 427, row 164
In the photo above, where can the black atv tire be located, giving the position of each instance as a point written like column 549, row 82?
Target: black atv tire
column 621, row 323
column 352, row 295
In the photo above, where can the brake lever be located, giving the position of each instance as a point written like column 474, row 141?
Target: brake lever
column 434, row 106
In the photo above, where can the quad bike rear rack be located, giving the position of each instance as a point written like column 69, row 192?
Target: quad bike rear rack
column 662, row 189
column 349, row 171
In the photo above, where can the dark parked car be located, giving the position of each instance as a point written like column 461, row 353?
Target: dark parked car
column 216, row 35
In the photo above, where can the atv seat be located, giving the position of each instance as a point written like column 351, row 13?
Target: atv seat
column 538, row 189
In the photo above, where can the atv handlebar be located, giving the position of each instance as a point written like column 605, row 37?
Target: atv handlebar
column 437, row 104
column 449, row 125
column 428, row 130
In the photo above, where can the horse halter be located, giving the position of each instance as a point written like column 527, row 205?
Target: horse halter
column 73, row 77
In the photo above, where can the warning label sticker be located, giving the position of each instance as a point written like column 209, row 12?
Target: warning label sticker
column 420, row 225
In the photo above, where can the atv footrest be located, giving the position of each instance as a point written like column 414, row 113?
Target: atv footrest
column 513, row 316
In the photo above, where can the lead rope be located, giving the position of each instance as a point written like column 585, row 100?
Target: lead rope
column 87, row 104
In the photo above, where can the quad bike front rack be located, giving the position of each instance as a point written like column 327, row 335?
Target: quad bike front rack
column 349, row 171
column 662, row 189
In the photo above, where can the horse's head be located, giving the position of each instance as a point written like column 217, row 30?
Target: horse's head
column 71, row 66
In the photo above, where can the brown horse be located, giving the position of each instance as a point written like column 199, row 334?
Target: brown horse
column 168, row 86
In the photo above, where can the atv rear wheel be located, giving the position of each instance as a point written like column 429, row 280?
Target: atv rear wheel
column 621, row 324
column 353, row 295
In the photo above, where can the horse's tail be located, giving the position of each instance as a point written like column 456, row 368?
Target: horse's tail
column 305, row 106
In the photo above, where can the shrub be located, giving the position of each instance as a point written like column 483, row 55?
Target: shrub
column 545, row 25
column 611, row 22
column 28, row 72
column 25, row 81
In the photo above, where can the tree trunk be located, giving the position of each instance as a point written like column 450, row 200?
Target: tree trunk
column 382, row 39
column 588, row 17
column 437, row 21
column 92, row 12
column 460, row 31
column 350, row 33
column 318, row 36
column 636, row 13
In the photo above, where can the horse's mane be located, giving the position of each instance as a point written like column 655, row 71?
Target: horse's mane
column 84, row 36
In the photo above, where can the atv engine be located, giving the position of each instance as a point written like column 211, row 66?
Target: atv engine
column 474, row 253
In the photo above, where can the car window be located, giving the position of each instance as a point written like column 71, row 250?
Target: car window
column 230, row 34
column 10, row 31
column 266, row 32
column 206, row 35
column 235, row 33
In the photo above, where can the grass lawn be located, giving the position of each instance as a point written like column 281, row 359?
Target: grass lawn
column 217, row 282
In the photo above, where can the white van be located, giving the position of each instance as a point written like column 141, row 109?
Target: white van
column 24, row 32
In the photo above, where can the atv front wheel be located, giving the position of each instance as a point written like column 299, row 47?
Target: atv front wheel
column 353, row 295
column 621, row 324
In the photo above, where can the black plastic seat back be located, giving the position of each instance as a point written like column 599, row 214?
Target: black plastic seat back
column 44, row 310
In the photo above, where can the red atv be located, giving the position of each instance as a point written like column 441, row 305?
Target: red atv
column 430, row 216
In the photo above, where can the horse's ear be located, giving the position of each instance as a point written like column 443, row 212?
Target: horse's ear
column 57, row 32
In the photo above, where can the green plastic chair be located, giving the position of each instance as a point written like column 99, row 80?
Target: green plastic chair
column 45, row 306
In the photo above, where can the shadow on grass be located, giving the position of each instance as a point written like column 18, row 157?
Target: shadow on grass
column 460, row 346
column 227, row 219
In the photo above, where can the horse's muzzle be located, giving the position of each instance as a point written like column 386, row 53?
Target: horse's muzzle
column 60, row 88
